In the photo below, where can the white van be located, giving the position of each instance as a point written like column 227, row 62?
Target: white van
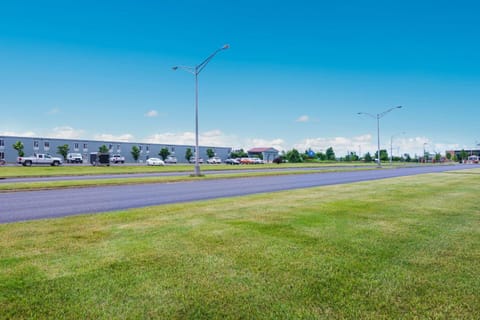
column 74, row 158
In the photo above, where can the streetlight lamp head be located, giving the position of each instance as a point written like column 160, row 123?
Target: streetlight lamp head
column 174, row 68
column 399, row 107
column 225, row 46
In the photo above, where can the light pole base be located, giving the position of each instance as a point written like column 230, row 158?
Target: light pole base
column 197, row 171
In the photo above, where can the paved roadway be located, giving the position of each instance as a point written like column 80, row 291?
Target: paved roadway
column 166, row 174
column 30, row 205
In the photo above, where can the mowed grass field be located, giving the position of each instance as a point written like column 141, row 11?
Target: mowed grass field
column 404, row 248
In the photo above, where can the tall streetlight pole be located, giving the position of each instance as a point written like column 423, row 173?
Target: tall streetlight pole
column 391, row 146
column 378, row 116
column 196, row 71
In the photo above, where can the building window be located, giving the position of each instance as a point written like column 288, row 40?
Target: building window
column 35, row 145
column 118, row 148
column 2, row 155
column 141, row 148
column 75, row 146
column 46, row 146
column 172, row 149
column 85, row 147
column 110, row 147
column 2, row 143
column 147, row 149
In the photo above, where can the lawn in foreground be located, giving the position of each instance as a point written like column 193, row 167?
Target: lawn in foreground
column 398, row 248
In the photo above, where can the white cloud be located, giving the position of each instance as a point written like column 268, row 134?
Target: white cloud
column 185, row 138
column 303, row 118
column 66, row 132
column 214, row 138
column 54, row 111
column 18, row 134
column 127, row 137
column 440, row 147
column 341, row 145
column 151, row 114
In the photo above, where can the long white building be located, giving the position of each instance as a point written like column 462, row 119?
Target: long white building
column 85, row 147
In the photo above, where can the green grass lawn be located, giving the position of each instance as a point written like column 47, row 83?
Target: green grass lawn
column 404, row 248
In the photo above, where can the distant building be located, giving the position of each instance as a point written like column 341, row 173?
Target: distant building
column 267, row 154
column 467, row 153
column 85, row 147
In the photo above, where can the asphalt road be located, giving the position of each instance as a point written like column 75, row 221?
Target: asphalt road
column 30, row 205
column 165, row 174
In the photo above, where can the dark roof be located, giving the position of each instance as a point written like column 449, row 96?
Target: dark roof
column 259, row 150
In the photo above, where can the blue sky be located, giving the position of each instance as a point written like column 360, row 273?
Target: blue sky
column 296, row 75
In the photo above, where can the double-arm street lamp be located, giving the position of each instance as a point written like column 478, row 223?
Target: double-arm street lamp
column 378, row 116
column 196, row 71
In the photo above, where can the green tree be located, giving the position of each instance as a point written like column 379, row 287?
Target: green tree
column 321, row 156
column 383, row 155
column 135, row 153
column 210, row 153
column 367, row 157
column 438, row 157
column 463, row 155
column 164, row 153
column 188, row 154
column 63, row 150
column 330, row 154
column 293, row 156
column 238, row 154
column 448, row 155
column 103, row 149
column 19, row 147
column 352, row 156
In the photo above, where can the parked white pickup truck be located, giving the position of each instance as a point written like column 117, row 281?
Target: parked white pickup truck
column 39, row 158
column 116, row 158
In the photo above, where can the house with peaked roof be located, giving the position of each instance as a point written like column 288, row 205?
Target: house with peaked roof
column 267, row 154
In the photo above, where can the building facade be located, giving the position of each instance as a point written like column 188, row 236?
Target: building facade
column 267, row 154
column 465, row 155
column 85, row 147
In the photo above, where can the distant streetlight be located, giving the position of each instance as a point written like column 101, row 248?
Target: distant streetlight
column 425, row 158
column 196, row 71
column 391, row 145
column 378, row 116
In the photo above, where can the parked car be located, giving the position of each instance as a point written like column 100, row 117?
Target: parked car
column 74, row 158
column 171, row 159
column 192, row 160
column 39, row 158
column 232, row 161
column 278, row 160
column 116, row 158
column 257, row 161
column 247, row 161
column 214, row 160
column 155, row 162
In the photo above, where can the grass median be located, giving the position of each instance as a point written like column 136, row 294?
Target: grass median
column 397, row 248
